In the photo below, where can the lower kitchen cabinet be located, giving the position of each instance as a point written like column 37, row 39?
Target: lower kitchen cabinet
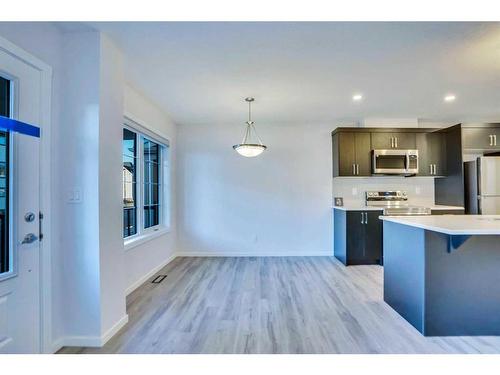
column 357, row 237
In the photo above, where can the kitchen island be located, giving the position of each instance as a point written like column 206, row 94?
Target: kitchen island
column 442, row 273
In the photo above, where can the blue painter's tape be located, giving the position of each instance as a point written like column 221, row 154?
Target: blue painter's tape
column 19, row 127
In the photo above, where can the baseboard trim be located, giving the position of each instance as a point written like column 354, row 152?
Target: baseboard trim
column 151, row 273
column 91, row 341
column 57, row 345
column 114, row 329
column 253, row 254
column 85, row 341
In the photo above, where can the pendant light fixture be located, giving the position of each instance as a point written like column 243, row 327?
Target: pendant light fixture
column 251, row 145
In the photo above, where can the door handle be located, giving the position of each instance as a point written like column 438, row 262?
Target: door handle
column 29, row 238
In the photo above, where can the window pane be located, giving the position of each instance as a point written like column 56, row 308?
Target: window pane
column 153, row 152
column 128, row 169
column 154, row 172
column 129, row 183
column 151, row 216
column 147, row 145
column 154, row 194
column 129, row 194
column 128, row 143
column 147, row 194
column 147, row 172
column 151, row 183
column 5, row 265
column 129, row 222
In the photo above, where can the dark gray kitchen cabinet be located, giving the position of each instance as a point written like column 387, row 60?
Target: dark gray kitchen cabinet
column 431, row 154
column 393, row 140
column 405, row 141
column 481, row 138
column 351, row 154
column 358, row 237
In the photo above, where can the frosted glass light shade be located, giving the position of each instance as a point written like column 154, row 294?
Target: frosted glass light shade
column 249, row 150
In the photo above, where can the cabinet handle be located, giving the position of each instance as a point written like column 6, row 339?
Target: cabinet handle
column 491, row 140
column 434, row 169
column 362, row 218
column 354, row 169
column 366, row 217
column 396, row 141
column 494, row 139
column 392, row 142
column 430, row 167
column 357, row 169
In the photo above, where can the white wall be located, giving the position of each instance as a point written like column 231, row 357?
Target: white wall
column 79, row 167
column 145, row 258
column 278, row 203
column 111, row 251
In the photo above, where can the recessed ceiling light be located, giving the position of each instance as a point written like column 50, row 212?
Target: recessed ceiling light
column 357, row 97
column 450, row 98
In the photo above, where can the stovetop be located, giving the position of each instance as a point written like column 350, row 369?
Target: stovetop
column 394, row 203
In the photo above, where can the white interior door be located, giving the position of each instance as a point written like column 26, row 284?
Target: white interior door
column 19, row 210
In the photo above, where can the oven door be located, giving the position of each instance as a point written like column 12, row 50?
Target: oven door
column 390, row 161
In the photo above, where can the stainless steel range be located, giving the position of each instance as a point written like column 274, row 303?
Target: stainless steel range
column 394, row 203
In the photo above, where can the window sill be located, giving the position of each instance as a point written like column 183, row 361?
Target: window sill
column 145, row 237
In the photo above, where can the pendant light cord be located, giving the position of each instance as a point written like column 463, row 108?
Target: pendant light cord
column 250, row 127
column 249, row 111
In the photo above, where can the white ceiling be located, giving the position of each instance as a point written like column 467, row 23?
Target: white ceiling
column 308, row 72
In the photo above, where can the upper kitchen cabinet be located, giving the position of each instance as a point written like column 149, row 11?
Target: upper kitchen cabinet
column 476, row 137
column 394, row 140
column 431, row 154
column 351, row 153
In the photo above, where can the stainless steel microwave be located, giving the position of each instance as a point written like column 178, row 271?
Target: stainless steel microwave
column 402, row 162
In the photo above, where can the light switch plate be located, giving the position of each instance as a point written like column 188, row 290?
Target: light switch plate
column 75, row 195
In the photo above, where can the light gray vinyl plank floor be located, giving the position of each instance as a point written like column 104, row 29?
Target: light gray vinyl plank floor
column 272, row 305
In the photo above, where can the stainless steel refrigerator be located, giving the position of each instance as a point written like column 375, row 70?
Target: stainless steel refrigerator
column 482, row 186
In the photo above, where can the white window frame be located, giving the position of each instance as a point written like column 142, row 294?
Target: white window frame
column 147, row 234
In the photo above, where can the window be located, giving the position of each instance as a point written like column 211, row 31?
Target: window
column 144, row 181
column 129, row 183
column 5, row 254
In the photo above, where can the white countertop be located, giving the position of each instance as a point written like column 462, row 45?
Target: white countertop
column 374, row 208
column 358, row 208
column 452, row 224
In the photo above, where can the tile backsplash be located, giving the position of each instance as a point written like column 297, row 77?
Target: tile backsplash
column 352, row 189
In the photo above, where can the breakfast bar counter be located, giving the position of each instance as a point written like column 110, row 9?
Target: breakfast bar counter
column 441, row 273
